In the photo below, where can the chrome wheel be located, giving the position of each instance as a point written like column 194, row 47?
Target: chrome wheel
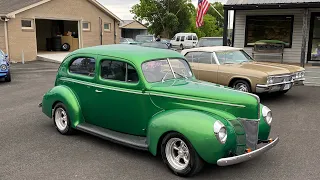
column 61, row 119
column 177, row 153
column 241, row 87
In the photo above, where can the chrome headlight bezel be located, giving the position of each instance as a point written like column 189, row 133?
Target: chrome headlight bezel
column 220, row 132
column 299, row 74
column 270, row 80
column 267, row 115
column 3, row 67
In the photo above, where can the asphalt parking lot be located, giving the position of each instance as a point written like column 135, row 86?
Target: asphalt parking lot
column 31, row 148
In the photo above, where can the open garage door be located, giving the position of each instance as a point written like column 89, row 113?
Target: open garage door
column 57, row 35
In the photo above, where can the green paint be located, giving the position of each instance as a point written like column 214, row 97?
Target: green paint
column 189, row 107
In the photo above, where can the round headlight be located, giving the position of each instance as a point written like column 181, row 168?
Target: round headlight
column 220, row 131
column 267, row 114
column 270, row 80
column 3, row 67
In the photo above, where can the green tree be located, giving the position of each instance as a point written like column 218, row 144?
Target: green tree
column 165, row 17
column 219, row 7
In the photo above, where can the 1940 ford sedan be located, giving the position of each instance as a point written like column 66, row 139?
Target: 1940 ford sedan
column 149, row 99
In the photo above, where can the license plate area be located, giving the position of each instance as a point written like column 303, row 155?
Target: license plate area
column 287, row 86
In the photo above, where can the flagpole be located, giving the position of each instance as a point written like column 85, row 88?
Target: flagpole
column 216, row 11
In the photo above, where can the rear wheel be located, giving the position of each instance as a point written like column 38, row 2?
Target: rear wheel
column 61, row 119
column 242, row 85
column 179, row 155
column 181, row 46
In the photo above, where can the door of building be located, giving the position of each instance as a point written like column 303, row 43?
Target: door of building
column 314, row 38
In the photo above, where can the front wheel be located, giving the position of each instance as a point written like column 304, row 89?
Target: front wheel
column 8, row 77
column 181, row 46
column 179, row 155
column 242, row 85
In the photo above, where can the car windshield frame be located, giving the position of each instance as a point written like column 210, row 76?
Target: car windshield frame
column 175, row 75
column 247, row 57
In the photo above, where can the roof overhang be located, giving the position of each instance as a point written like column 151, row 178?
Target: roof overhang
column 95, row 2
column 272, row 6
column 124, row 26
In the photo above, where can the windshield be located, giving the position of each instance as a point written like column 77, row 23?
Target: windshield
column 144, row 38
column 205, row 42
column 160, row 70
column 233, row 57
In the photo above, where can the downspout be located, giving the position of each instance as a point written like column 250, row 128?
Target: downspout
column 115, row 32
column 5, row 20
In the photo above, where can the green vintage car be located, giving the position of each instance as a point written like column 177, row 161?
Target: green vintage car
column 149, row 99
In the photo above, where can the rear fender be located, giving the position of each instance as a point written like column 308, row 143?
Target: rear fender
column 196, row 126
column 66, row 96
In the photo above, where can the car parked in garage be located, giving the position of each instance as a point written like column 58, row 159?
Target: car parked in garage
column 149, row 99
column 233, row 67
column 4, row 67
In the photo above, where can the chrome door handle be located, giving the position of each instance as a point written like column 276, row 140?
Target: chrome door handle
column 97, row 91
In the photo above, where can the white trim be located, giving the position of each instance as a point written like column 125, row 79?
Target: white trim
column 89, row 26
column 6, row 37
column 32, row 24
column 27, row 7
column 80, row 34
column 107, row 30
column 96, row 3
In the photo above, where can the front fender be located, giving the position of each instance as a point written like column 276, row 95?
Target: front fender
column 66, row 96
column 197, row 127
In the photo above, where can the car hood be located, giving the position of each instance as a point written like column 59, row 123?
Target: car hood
column 182, row 93
column 268, row 68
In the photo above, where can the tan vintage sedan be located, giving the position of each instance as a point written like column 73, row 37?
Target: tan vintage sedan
column 233, row 67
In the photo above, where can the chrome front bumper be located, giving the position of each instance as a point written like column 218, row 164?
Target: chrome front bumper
column 283, row 86
column 245, row 157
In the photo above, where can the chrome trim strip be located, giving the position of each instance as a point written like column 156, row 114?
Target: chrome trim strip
column 270, row 85
column 193, row 99
column 101, row 86
column 245, row 157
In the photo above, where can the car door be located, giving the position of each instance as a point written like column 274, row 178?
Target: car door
column 120, row 100
column 192, row 58
column 81, row 79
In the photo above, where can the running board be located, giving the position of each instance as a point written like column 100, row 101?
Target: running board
column 136, row 142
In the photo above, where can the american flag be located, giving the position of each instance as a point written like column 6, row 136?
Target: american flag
column 203, row 6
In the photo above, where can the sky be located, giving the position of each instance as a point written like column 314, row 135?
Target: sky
column 121, row 8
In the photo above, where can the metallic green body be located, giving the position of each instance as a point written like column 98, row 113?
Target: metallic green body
column 187, row 106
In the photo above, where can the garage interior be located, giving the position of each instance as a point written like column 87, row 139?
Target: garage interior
column 57, row 35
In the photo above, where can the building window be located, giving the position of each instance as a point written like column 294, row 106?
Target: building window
column 27, row 23
column 107, row 26
column 86, row 26
column 274, row 27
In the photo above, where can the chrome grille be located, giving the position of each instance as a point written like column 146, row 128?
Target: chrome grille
column 240, row 137
column 246, row 134
column 251, row 128
column 280, row 79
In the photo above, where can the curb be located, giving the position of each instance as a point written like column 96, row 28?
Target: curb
column 48, row 60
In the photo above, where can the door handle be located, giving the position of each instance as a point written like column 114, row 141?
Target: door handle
column 97, row 91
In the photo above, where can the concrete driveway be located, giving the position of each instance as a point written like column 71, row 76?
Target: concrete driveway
column 31, row 148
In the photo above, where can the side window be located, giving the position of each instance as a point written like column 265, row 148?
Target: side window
column 182, row 38
column 189, row 37
column 195, row 38
column 178, row 38
column 84, row 66
column 206, row 58
column 192, row 57
column 119, row 71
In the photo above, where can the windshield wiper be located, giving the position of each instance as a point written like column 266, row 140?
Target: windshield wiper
column 181, row 75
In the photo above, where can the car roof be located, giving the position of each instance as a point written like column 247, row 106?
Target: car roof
column 135, row 53
column 211, row 49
